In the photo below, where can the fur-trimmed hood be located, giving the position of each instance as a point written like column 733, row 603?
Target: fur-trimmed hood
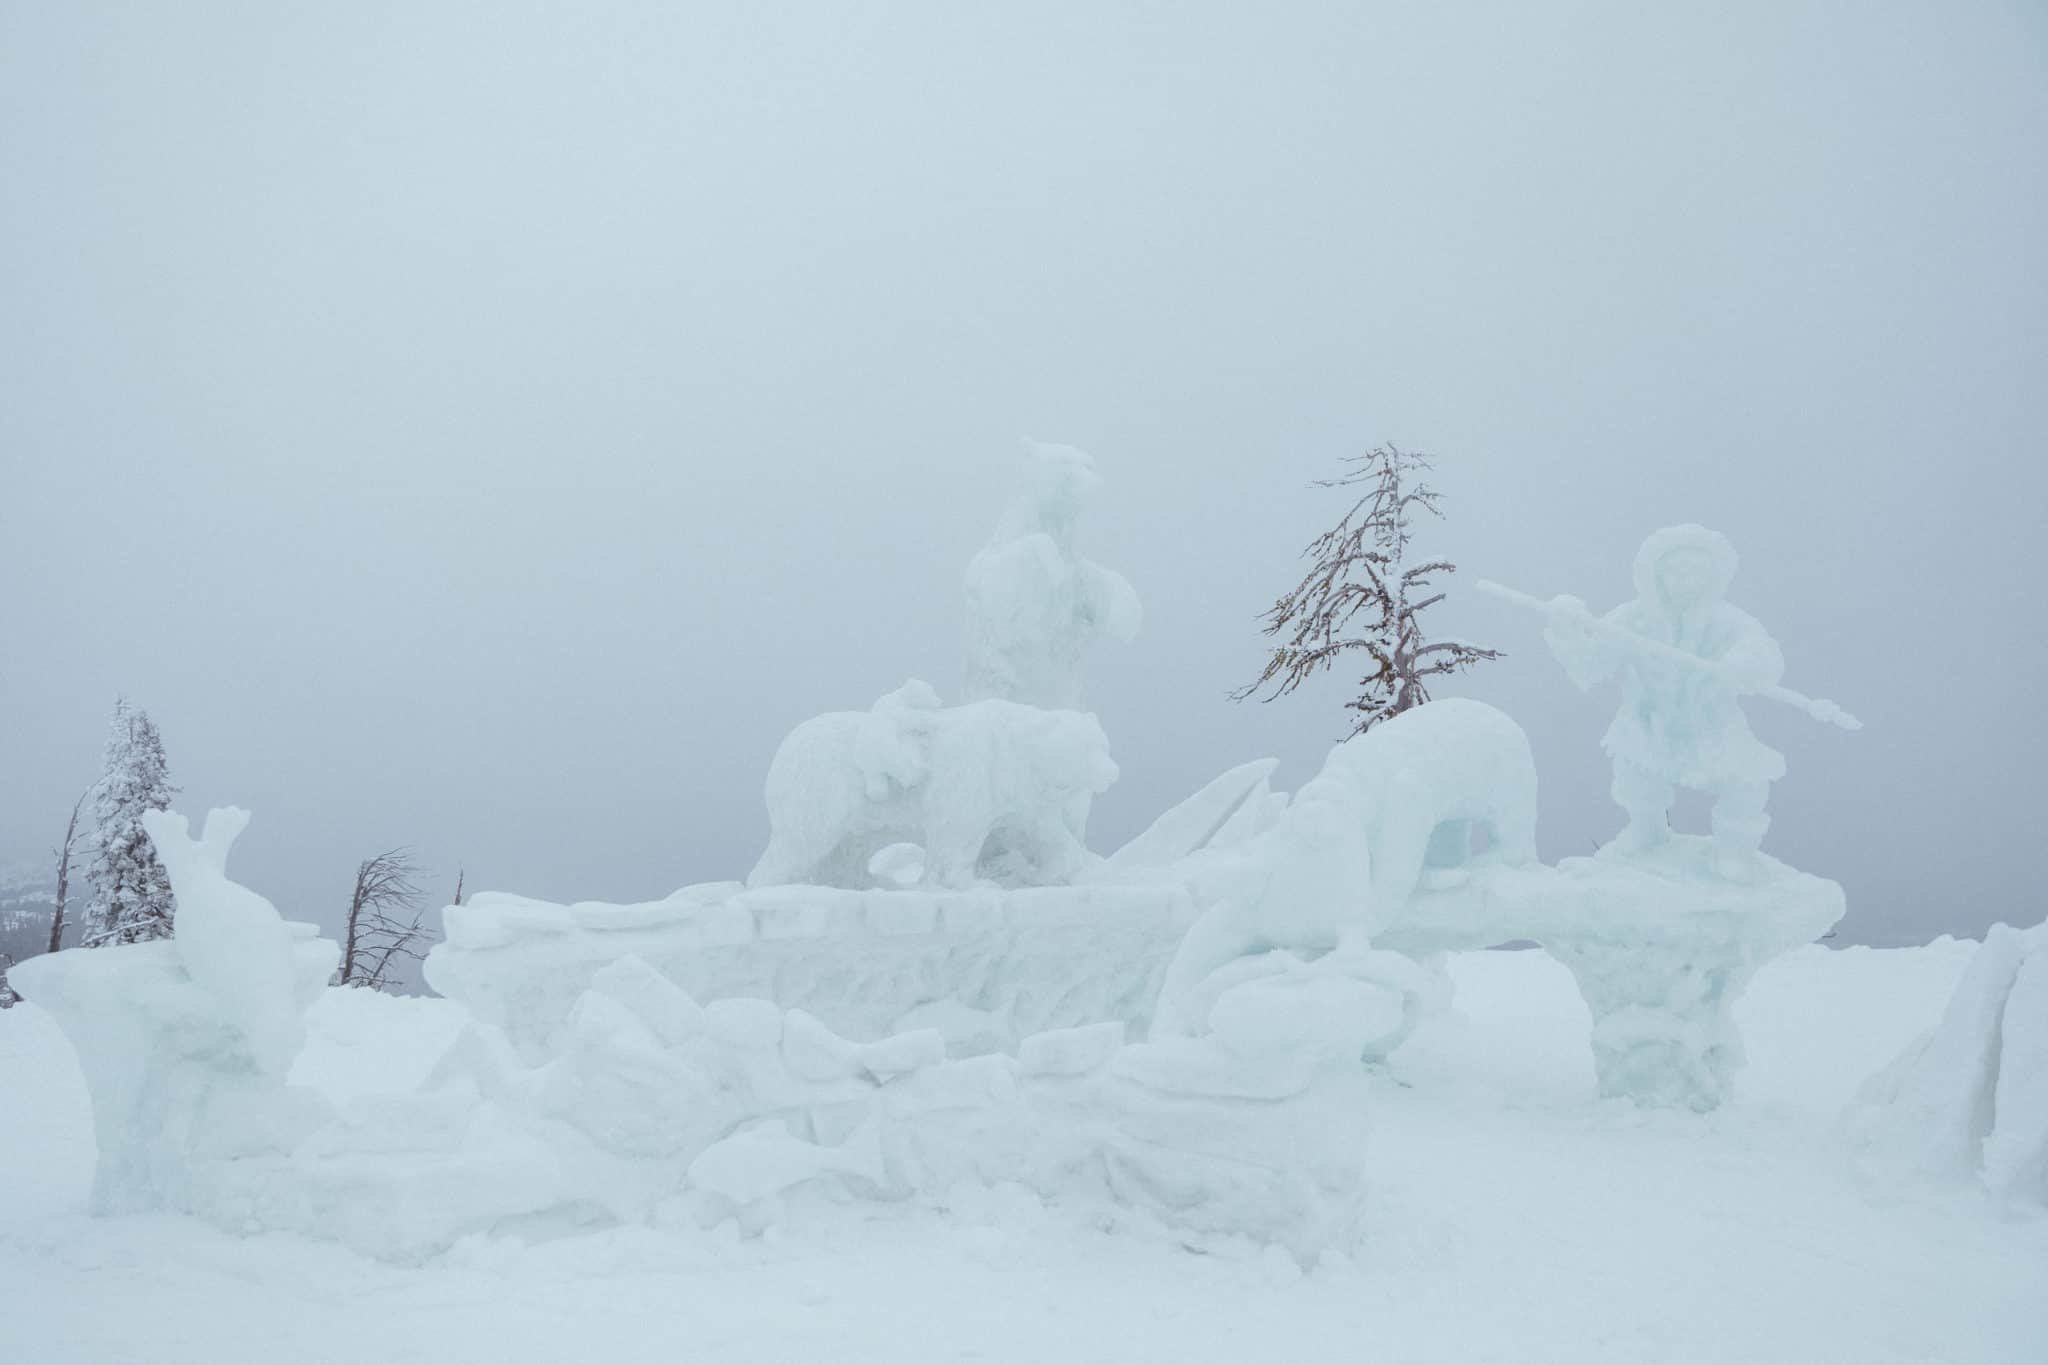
column 1720, row 555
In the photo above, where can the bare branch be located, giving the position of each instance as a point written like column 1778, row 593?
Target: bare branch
column 63, row 854
column 384, row 920
column 1356, row 596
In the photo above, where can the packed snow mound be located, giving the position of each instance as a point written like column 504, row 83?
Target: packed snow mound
column 1969, row 1099
column 991, row 790
column 1034, row 604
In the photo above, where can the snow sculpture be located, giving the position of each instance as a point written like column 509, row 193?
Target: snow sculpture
column 652, row 1107
column 1450, row 782
column 658, row 1107
column 1034, row 605
column 232, row 942
column 1686, row 657
column 1662, row 931
column 1968, row 1100
column 1661, row 951
column 184, row 1041
column 991, row 789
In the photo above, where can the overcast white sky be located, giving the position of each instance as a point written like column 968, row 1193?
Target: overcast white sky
column 490, row 427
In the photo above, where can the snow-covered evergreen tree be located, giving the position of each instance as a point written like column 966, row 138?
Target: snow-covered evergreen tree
column 131, row 895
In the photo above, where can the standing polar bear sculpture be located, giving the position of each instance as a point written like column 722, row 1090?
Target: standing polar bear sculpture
column 991, row 789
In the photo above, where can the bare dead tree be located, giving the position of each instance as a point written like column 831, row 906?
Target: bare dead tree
column 458, row 885
column 384, row 917
column 63, row 852
column 1361, row 594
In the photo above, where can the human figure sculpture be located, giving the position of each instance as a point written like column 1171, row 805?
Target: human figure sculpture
column 1034, row 603
column 1686, row 657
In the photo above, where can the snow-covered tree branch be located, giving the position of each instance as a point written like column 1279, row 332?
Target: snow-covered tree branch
column 1361, row 594
column 131, row 895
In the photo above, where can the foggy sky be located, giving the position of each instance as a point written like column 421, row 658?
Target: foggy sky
column 491, row 427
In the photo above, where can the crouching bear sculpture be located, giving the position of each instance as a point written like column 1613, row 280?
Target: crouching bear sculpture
column 1448, row 785
column 992, row 789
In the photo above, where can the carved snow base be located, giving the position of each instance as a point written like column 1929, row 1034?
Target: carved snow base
column 1661, row 948
column 1659, row 944
column 654, row 1108
column 176, row 1089
column 993, row 966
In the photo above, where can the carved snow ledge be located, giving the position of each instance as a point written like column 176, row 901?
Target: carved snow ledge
column 1007, row 963
column 1660, row 947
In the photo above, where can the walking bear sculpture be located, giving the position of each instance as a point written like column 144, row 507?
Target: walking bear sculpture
column 993, row 790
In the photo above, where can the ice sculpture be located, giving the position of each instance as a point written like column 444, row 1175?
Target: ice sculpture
column 184, row 1041
column 992, row 789
column 1034, row 604
column 650, row 1106
column 1969, row 1098
column 1662, row 931
column 1450, row 782
column 927, row 979
column 1686, row 658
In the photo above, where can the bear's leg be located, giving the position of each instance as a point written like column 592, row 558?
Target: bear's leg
column 1057, row 853
column 782, row 863
column 1400, row 846
column 953, row 839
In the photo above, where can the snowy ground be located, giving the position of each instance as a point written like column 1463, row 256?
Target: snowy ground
column 1517, row 1220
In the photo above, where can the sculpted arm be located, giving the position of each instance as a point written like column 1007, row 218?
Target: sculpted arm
column 1588, row 654
column 1752, row 660
column 1113, row 603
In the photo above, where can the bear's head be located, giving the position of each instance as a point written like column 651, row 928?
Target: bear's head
column 1077, row 753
